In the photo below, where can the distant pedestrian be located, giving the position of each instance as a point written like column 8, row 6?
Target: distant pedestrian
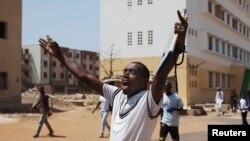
column 171, row 106
column 105, row 107
column 43, row 105
column 219, row 100
column 234, row 101
column 244, row 108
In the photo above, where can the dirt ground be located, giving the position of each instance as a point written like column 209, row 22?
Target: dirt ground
column 79, row 124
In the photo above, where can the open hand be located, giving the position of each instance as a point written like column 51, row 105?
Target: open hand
column 50, row 46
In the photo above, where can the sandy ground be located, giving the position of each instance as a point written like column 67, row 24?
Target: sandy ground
column 79, row 124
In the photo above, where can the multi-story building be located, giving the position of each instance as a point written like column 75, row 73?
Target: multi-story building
column 10, row 55
column 217, row 43
column 43, row 69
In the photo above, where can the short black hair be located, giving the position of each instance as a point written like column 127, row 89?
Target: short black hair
column 146, row 73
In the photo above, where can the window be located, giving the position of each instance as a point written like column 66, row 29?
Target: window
column 54, row 75
column 129, row 3
column 62, row 75
column 70, row 54
column 45, row 64
column 210, row 79
column 139, row 2
column 235, row 52
column 77, row 55
column 228, row 50
column 218, row 11
column 44, row 52
column 70, row 75
column 223, row 48
column 228, row 19
column 90, row 67
column 222, row 16
column 45, row 75
column 240, row 54
column 150, row 37
column 210, row 43
column 223, row 80
column 140, row 38
column 209, row 6
column 217, row 79
column 3, row 80
column 234, row 22
column 54, row 63
column 150, row 1
column 130, row 39
column 3, row 28
column 217, row 49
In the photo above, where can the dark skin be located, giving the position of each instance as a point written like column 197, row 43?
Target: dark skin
column 169, row 92
column 132, row 80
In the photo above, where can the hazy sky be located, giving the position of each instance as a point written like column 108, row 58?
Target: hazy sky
column 72, row 23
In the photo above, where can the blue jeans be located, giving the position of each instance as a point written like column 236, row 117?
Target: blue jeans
column 104, row 116
column 43, row 119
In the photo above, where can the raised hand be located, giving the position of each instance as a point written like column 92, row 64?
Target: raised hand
column 181, row 29
column 50, row 46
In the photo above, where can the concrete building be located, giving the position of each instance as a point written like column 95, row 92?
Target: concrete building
column 43, row 69
column 10, row 51
column 218, row 39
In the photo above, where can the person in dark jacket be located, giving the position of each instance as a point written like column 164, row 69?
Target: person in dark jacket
column 43, row 105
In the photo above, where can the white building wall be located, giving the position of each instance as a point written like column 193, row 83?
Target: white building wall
column 36, row 61
column 117, row 19
column 204, row 22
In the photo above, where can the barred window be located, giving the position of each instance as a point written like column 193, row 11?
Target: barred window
column 150, row 37
column 129, row 3
column 150, row 1
column 139, row 2
column 140, row 38
column 130, row 39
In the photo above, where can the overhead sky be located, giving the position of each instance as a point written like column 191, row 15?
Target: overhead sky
column 72, row 23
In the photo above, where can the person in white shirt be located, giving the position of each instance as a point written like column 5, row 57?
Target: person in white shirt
column 134, row 106
column 171, row 106
column 219, row 97
column 104, row 114
column 244, row 108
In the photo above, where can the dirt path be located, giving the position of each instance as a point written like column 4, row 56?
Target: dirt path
column 80, row 124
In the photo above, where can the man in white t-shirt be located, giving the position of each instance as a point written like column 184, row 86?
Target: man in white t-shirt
column 171, row 106
column 135, row 107
column 104, row 114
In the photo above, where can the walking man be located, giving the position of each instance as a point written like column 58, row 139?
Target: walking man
column 43, row 105
column 104, row 114
column 171, row 106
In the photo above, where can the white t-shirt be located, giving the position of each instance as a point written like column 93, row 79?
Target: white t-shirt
column 134, row 118
column 104, row 104
column 243, row 105
column 174, row 101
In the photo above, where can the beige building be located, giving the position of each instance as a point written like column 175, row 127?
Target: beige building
column 10, row 51
column 41, row 68
column 218, row 42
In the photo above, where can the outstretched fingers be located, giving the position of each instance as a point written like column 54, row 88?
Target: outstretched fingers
column 43, row 43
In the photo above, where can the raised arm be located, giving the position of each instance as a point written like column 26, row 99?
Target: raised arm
column 83, row 75
column 171, row 58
